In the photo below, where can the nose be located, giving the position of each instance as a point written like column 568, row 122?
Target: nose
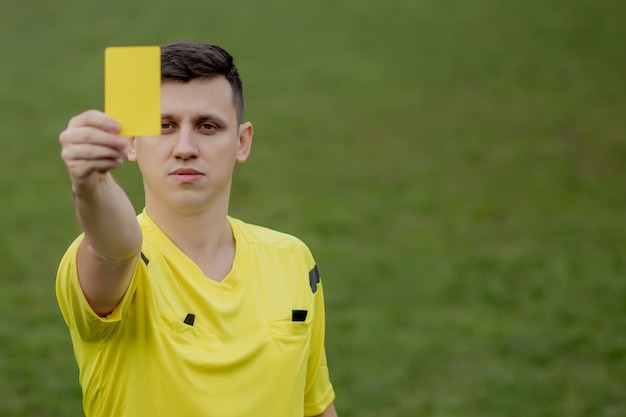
column 186, row 146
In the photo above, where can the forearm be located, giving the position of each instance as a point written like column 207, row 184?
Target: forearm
column 108, row 220
column 106, row 258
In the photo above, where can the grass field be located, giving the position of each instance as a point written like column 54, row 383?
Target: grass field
column 458, row 169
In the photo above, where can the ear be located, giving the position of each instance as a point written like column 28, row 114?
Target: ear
column 131, row 150
column 244, row 144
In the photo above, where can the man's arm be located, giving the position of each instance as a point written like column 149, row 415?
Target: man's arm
column 90, row 148
column 330, row 411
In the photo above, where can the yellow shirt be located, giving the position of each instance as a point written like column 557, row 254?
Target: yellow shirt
column 180, row 344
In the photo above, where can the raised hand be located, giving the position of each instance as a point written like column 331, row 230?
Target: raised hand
column 90, row 147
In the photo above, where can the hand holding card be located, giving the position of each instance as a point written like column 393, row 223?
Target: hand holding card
column 132, row 88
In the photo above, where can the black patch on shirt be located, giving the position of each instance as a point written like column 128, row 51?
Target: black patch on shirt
column 144, row 259
column 298, row 315
column 314, row 278
column 190, row 319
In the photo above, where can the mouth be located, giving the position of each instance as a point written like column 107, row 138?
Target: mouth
column 186, row 175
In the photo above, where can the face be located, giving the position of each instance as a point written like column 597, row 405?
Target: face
column 189, row 167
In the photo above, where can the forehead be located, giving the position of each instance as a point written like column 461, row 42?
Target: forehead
column 198, row 96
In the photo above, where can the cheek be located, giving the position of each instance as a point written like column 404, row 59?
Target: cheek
column 148, row 162
column 149, row 150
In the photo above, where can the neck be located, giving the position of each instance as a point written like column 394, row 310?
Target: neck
column 204, row 236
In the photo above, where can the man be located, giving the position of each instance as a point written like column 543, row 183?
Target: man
column 182, row 310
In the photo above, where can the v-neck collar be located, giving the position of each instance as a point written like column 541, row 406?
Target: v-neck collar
column 154, row 236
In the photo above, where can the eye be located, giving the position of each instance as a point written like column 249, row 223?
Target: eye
column 207, row 128
column 167, row 127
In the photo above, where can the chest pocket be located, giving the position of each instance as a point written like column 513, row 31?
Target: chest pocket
column 184, row 331
column 289, row 329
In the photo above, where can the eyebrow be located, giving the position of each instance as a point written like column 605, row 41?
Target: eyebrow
column 201, row 117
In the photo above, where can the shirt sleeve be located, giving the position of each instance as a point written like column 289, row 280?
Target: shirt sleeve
column 319, row 393
column 77, row 313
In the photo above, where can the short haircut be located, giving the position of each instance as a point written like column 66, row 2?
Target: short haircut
column 188, row 60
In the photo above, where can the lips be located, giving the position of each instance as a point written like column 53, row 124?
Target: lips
column 186, row 171
column 186, row 175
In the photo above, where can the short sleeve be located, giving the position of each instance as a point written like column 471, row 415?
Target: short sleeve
column 77, row 313
column 319, row 393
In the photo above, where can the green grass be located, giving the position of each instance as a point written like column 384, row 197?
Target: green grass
column 456, row 167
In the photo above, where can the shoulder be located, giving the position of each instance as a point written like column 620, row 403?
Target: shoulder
column 272, row 247
column 270, row 239
column 260, row 234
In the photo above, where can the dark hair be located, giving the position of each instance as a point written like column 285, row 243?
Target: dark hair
column 187, row 60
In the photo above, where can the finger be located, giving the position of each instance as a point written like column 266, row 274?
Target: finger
column 95, row 118
column 80, row 170
column 91, row 135
column 89, row 152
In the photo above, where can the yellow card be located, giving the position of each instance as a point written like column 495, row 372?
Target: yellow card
column 132, row 88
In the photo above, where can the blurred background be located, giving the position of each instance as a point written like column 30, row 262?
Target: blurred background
column 458, row 169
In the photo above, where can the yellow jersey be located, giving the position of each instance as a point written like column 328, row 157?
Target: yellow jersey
column 180, row 344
